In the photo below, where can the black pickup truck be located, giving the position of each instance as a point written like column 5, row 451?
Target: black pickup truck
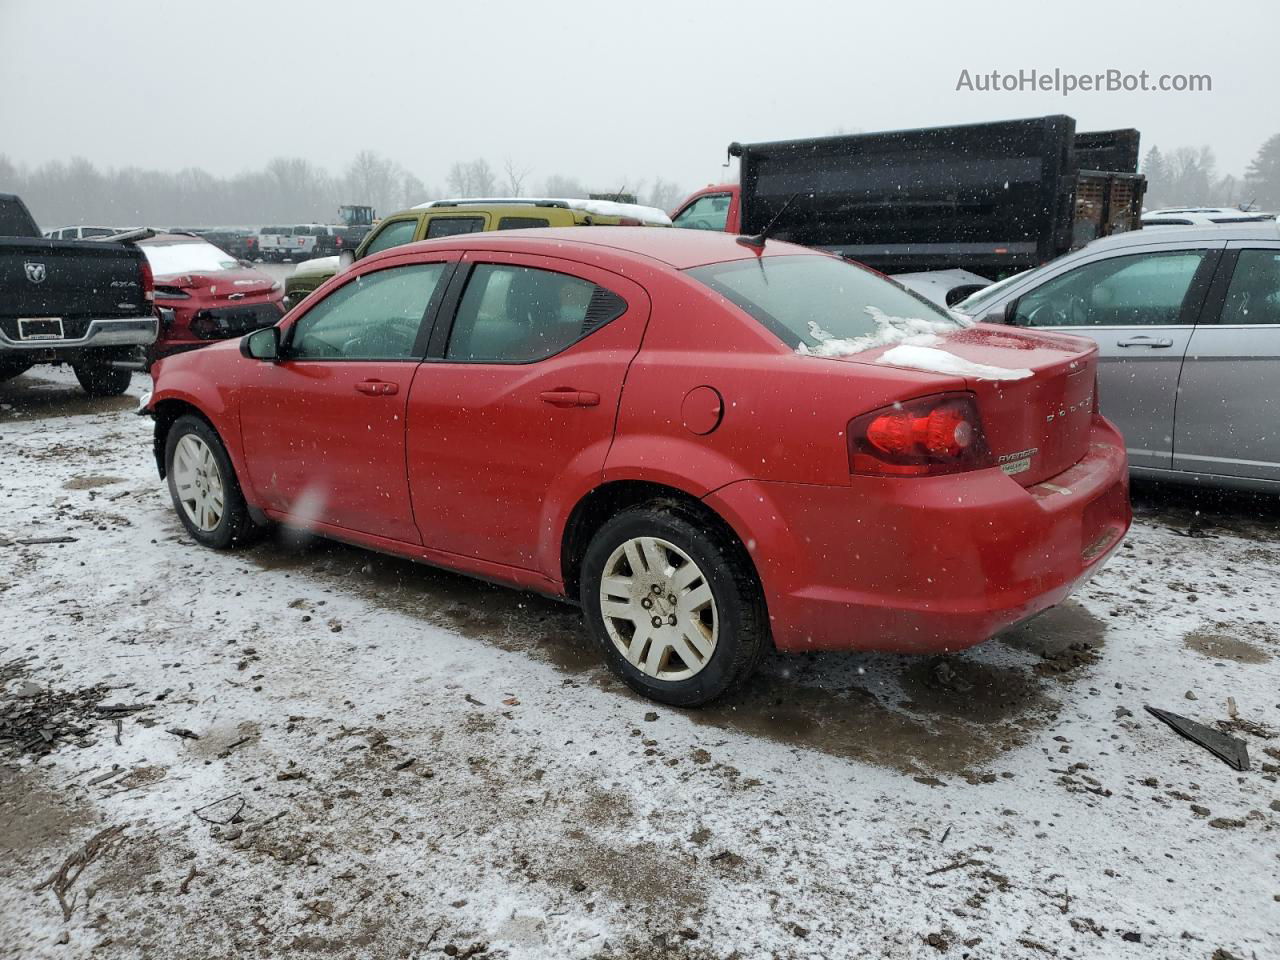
column 87, row 303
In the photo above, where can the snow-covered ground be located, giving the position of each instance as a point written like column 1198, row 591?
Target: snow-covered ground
column 431, row 766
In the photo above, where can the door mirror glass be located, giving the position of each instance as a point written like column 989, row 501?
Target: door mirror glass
column 262, row 344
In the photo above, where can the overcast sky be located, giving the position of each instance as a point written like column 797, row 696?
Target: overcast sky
column 607, row 92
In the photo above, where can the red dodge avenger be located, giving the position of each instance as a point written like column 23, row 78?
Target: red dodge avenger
column 712, row 444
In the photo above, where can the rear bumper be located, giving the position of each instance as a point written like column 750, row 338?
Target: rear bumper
column 139, row 332
column 927, row 565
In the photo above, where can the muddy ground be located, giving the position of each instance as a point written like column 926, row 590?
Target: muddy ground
column 303, row 749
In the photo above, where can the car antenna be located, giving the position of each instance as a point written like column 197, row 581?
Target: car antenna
column 758, row 239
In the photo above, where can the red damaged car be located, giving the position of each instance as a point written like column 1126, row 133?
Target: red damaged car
column 204, row 294
column 710, row 444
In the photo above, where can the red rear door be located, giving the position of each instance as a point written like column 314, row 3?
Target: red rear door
column 514, row 414
column 324, row 429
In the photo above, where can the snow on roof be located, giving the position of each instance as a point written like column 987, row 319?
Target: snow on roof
column 651, row 216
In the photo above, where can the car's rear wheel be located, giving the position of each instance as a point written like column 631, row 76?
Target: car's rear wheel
column 674, row 604
column 203, row 485
column 103, row 380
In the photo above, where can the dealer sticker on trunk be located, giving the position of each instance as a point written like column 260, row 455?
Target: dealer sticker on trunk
column 1019, row 462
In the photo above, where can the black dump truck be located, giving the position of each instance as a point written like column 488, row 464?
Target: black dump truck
column 992, row 198
column 87, row 303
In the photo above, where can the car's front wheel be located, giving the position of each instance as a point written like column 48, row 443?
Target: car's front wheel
column 203, row 485
column 103, row 380
column 674, row 604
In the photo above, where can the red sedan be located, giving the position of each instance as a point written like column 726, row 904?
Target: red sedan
column 204, row 294
column 711, row 445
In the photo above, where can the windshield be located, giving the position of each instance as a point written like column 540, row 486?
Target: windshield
column 975, row 303
column 812, row 301
column 187, row 257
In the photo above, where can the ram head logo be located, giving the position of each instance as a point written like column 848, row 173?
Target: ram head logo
column 35, row 271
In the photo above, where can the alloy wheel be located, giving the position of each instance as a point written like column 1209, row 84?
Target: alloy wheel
column 199, row 482
column 658, row 609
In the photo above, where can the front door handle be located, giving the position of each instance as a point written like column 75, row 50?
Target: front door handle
column 568, row 397
column 1153, row 342
column 378, row 388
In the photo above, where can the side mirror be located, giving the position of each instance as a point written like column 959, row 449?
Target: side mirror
column 1009, row 315
column 345, row 260
column 245, row 263
column 262, row 344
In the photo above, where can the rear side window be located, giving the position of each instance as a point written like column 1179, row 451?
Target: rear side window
column 453, row 226
column 1143, row 290
column 1254, row 294
column 514, row 314
column 811, row 300
column 392, row 235
column 520, row 223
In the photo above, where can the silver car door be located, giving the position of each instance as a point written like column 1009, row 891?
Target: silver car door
column 1141, row 308
column 1228, row 416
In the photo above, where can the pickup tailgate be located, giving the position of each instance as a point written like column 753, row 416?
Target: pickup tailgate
column 72, row 279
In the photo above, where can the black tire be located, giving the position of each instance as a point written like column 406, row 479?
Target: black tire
column 743, row 622
column 235, row 527
column 9, row 370
column 101, row 380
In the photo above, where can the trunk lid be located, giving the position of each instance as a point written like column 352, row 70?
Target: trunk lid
column 1036, row 426
column 70, row 278
column 220, row 284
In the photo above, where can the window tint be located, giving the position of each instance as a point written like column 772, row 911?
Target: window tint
column 1141, row 290
column 812, row 299
column 392, row 234
column 706, row 213
column 1254, row 294
column 519, row 223
column 453, row 226
column 518, row 314
column 374, row 317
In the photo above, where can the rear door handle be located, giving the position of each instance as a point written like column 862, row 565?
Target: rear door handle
column 378, row 388
column 1146, row 342
column 568, row 397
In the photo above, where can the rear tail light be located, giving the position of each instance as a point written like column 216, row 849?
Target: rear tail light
column 630, row 222
column 148, row 281
column 926, row 437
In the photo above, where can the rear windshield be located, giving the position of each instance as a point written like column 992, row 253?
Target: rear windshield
column 187, row 257
column 811, row 299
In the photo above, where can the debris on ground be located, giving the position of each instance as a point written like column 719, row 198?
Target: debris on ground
column 1228, row 749
column 65, row 877
column 221, row 812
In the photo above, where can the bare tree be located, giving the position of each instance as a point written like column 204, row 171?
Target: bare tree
column 515, row 178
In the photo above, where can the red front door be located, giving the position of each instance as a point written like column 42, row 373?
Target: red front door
column 518, row 412
column 324, row 429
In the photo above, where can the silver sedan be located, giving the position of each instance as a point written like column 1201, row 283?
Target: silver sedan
column 1188, row 323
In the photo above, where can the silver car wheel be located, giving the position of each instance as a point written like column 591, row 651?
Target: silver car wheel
column 199, row 482
column 658, row 609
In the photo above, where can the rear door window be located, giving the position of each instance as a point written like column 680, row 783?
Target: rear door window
column 453, row 226
column 1254, row 294
column 513, row 314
